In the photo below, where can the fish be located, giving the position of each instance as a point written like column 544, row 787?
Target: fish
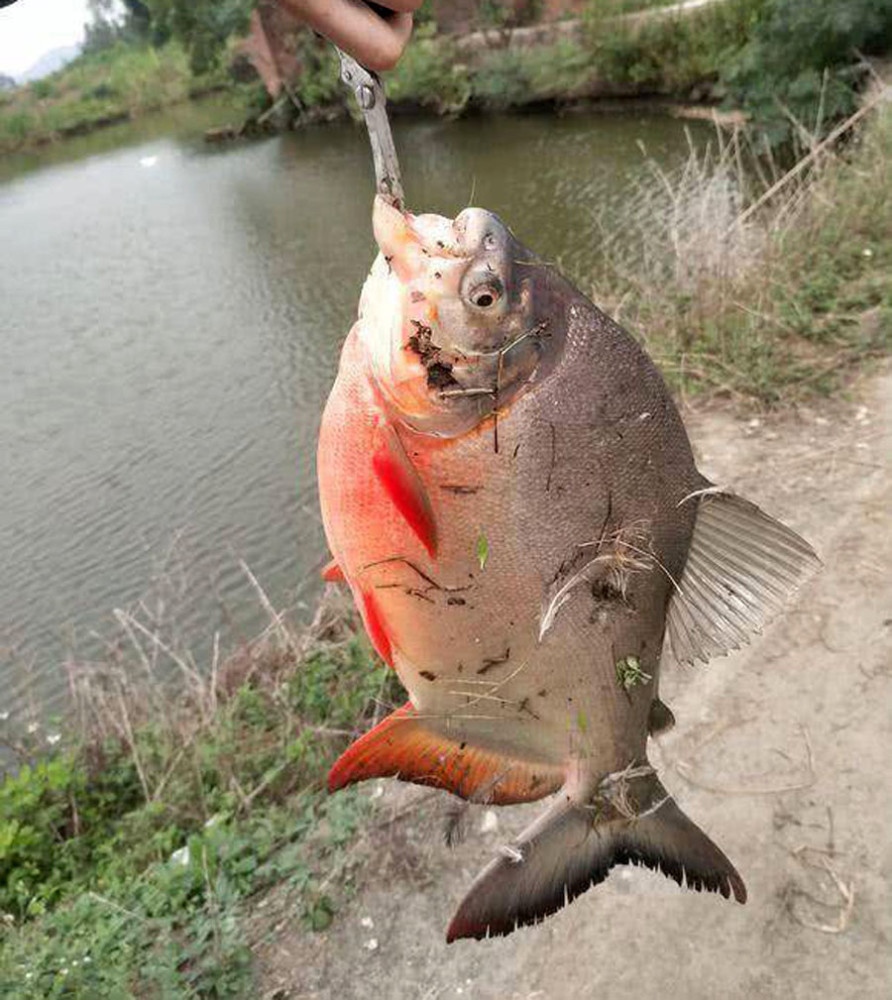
column 510, row 494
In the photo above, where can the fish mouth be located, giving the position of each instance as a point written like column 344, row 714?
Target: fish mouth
column 436, row 361
column 425, row 254
column 408, row 242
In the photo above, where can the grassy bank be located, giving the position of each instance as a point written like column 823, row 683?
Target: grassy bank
column 606, row 56
column 99, row 89
column 132, row 844
column 780, row 60
column 761, row 298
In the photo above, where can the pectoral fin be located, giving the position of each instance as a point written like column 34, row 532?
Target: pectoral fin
column 741, row 568
column 402, row 746
column 403, row 485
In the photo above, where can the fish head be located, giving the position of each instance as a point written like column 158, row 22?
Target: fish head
column 452, row 323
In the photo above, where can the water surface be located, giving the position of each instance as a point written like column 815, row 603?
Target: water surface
column 170, row 320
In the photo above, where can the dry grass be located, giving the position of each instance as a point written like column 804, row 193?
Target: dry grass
column 756, row 283
column 182, row 787
column 151, row 696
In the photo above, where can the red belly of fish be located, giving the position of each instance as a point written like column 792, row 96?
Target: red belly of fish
column 395, row 533
column 368, row 510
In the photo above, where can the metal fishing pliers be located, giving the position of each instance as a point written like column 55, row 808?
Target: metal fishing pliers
column 369, row 93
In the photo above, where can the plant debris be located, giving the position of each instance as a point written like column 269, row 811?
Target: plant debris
column 629, row 673
column 482, row 550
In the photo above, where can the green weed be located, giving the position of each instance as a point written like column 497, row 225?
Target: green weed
column 42, row 89
column 430, row 75
column 629, row 673
column 674, row 55
column 780, row 306
column 127, row 857
column 319, row 83
column 120, row 81
column 804, row 62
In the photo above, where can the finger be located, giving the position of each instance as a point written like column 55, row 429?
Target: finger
column 407, row 6
column 352, row 26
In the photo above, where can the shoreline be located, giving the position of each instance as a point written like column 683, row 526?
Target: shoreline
column 256, row 128
column 78, row 129
column 550, row 67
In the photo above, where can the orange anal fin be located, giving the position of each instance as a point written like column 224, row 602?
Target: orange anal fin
column 403, row 485
column 402, row 747
column 375, row 627
column 332, row 573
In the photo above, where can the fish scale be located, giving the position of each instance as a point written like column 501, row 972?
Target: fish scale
column 509, row 491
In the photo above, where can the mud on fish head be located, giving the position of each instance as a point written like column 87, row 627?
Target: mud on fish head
column 449, row 317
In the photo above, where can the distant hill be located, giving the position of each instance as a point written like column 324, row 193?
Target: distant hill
column 6, row 82
column 49, row 62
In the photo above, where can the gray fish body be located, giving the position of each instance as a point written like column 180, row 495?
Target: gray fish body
column 559, row 524
column 591, row 459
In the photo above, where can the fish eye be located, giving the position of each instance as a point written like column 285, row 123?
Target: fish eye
column 485, row 295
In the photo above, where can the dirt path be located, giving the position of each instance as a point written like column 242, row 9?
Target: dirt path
column 781, row 752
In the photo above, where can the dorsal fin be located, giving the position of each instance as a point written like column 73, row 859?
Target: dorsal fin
column 742, row 566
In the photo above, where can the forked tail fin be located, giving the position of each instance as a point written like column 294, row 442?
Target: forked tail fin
column 569, row 848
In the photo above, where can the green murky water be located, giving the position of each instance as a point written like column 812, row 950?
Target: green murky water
column 170, row 319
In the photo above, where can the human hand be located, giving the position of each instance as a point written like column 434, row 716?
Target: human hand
column 374, row 39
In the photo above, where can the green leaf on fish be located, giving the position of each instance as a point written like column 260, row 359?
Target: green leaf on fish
column 482, row 550
column 629, row 673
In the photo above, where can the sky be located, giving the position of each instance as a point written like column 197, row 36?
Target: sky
column 31, row 27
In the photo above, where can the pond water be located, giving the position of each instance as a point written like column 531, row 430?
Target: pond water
column 171, row 314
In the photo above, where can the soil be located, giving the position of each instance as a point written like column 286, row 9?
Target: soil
column 781, row 752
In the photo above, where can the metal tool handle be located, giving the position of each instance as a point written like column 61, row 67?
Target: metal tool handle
column 369, row 93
